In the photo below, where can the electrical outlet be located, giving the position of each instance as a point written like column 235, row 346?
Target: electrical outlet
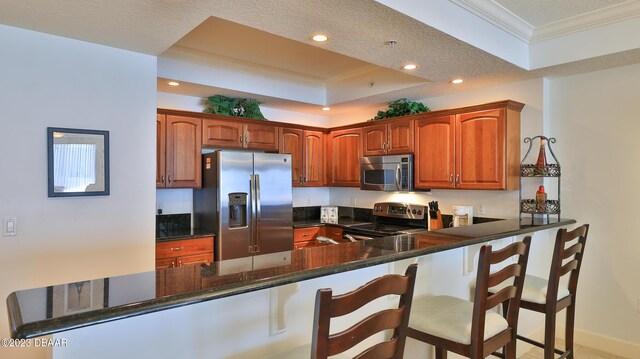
column 10, row 227
column 481, row 208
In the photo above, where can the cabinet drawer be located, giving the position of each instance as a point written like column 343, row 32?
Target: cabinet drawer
column 305, row 234
column 334, row 233
column 184, row 247
column 204, row 258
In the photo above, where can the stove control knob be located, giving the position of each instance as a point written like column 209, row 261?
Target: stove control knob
column 413, row 211
column 419, row 213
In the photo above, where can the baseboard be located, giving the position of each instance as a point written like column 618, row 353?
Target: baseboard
column 591, row 340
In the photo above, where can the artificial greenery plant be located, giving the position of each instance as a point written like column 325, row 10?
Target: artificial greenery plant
column 234, row 106
column 401, row 107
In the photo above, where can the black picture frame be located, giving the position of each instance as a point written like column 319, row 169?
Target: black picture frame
column 98, row 141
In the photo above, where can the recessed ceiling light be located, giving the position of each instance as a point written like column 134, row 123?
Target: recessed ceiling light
column 410, row 66
column 320, row 38
column 326, row 108
column 457, row 81
column 173, row 83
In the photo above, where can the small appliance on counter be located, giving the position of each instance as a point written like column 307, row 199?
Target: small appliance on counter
column 329, row 214
column 462, row 215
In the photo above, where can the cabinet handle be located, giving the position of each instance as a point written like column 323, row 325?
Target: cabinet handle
column 162, row 179
column 170, row 179
column 301, row 180
column 337, row 233
column 176, row 248
column 389, row 144
column 173, row 264
column 241, row 139
column 304, row 179
column 457, row 179
column 179, row 263
column 451, row 178
column 305, row 234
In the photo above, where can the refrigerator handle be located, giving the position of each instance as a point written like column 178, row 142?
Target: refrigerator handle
column 258, row 213
column 252, row 189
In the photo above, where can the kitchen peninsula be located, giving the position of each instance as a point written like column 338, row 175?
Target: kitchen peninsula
column 42, row 311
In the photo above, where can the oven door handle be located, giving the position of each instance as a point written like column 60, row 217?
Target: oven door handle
column 398, row 176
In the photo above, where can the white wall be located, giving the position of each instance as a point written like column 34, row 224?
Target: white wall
column 594, row 117
column 53, row 81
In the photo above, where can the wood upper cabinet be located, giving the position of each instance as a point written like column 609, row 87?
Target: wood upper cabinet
column 161, row 157
column 344, row 151
column 475, row 149
column 178, row 152
column 307, row 156
column 395, row 137
column 434, row 164
column 235, row 134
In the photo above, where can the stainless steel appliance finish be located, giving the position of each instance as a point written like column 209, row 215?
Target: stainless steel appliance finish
column 387, row 173
column 246, row 201
column 391, row 218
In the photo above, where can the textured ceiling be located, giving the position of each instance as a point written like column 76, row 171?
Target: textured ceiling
column 542, row 12
column 358, row 30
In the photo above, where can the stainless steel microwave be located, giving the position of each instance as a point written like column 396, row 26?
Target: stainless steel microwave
column 387, row 173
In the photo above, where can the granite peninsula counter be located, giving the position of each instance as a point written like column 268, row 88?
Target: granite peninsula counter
column 48, row 310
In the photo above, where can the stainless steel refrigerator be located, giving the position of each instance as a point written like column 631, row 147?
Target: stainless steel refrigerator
column 246, row 201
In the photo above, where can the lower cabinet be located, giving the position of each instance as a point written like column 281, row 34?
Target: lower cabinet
column 184, row 252
column 308, row 237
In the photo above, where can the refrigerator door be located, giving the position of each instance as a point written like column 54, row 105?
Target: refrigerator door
column 233, row 237
column 273, row 203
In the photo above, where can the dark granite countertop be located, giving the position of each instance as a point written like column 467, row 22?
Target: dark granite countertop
column 43, row 311
column 342, row 222
column 174, row 235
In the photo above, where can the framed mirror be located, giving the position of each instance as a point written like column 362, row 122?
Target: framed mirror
column 78, row 162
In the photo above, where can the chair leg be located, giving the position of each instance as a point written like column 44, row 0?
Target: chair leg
column 510, row 350
column 441, row 353
column 568, row 340
column 549, row 335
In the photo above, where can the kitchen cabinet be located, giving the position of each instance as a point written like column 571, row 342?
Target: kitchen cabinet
column 306, row 237
column 307, row 155
column 395, row 137
column 475, row 148
column 333, row 232
column 344, row 151
column 231, row 133
column 184, row 252
column 178, row 151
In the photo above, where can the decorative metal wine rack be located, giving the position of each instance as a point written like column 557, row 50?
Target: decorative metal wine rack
column 531, row 206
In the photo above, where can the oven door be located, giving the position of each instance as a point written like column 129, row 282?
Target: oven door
column 379, row 173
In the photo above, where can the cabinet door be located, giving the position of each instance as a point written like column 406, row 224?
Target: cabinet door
column 291, row 141
column 435, row 153
column 375, row 140
column 165, row 263
column 184, row 152
column 481, row 147
column 261, row 137
column 203, row 258
column 160, row 151
column 222, row 133
column 313, row 161
column 345, row 151
column 400, row 137
column 334, row 233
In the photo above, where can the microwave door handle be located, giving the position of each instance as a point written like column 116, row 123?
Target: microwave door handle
column 398, row 178
column 258, row 214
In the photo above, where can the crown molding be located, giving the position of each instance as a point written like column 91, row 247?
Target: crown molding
column 499, row 16
column 586, row 21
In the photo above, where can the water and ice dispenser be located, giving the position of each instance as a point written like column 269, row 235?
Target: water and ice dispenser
column 237, row 209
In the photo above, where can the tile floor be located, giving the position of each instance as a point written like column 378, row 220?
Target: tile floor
column 581, row 352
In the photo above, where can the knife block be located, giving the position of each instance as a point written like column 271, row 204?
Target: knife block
column 435, row 223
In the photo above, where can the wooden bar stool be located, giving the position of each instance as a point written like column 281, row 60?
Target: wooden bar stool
column 325, row 344
column 550, row 296
column 468, row 328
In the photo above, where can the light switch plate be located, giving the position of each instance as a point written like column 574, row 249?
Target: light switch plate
column 9, row 226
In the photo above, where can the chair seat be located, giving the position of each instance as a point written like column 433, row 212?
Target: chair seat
column 450, row 318
column 303, row 351
column 535, row 289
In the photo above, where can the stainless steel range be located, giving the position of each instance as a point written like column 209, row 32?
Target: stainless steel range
column 391, row 218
